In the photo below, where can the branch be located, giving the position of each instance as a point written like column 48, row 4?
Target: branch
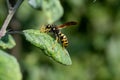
column 12, row 11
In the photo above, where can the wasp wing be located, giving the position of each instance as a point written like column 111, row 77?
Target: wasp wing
column 67, row 24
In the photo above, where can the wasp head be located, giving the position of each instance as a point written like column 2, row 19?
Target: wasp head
column 47, row 28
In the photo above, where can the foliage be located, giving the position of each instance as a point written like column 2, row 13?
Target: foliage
column 48, row 45
column 93, row 44
column 8, row 67
column 58, row 53
column 51, row 8
column 7, row 42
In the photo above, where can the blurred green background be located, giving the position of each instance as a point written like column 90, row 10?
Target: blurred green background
column 94, row 44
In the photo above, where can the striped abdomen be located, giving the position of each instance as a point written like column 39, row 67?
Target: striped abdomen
column 63, row 39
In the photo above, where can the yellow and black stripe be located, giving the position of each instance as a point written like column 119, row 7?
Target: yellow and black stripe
column 63, row 39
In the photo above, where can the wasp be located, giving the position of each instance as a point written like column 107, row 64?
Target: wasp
column 56, row 30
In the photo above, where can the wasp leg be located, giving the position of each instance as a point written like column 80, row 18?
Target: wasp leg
column 56, row 41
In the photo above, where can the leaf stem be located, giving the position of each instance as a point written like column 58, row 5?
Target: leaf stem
column 9, row 17
column 15, row 32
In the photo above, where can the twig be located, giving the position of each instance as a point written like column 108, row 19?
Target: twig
column 9, row 17
column 8, row 5
column 15, row 32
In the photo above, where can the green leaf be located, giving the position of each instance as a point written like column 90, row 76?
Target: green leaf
column 48, row 44
column 51, row 8
column 9, row 67
column 7, row 42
